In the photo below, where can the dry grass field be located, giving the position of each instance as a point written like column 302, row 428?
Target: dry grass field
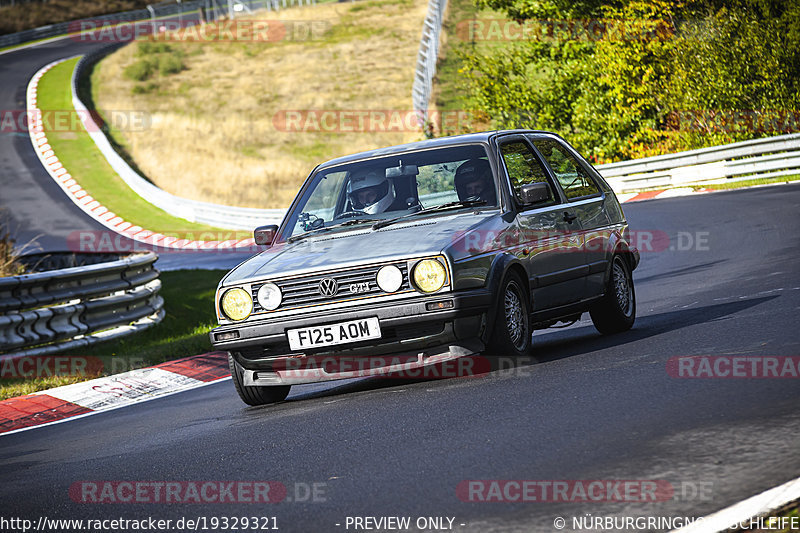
column 213, row 132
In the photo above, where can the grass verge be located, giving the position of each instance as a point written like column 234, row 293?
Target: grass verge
column 79, row 154
column 746, row 183
column 189, row 307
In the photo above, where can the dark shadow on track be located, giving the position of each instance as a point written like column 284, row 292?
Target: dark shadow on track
column 694, row 269
column 561, row 345
column 585, row 339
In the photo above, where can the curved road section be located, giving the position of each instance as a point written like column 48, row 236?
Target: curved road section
column 33, row 208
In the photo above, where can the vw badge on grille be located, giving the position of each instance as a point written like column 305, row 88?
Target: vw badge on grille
column 328, row 287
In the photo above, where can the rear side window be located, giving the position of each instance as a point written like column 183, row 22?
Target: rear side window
column 569, row 173
column 523, row 166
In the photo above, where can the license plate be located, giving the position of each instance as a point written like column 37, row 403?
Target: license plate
column 341, row 333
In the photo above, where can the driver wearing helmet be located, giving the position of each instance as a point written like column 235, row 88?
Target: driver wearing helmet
column 473, row 181
column 370, row 192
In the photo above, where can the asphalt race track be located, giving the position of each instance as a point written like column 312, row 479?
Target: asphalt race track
column 589, row 408
column 35, row 208
column 32, row 207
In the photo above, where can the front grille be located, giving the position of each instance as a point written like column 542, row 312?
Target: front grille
column 304, row 291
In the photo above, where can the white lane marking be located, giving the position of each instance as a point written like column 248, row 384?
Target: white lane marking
column 677, row 191
column 779, row 289
column 123, row 389
column 758, row 505
column 118, row 406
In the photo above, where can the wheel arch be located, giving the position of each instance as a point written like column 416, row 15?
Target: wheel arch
column 621, row 247
column 501, row 267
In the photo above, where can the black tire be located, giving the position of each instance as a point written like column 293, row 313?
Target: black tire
column 255, row 395
column 511, row 334
column 616, row 311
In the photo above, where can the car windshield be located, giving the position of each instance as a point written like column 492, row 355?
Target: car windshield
column 391, row 187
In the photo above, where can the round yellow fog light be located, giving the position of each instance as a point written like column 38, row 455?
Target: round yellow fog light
column 429, row 275
column 237, row 304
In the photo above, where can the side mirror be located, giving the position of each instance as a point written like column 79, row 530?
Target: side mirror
column 533, row 193
column 264, row 235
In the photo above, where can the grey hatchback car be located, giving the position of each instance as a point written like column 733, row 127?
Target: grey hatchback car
column 419, row 254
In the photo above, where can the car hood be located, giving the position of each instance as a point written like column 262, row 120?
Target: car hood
column 359, row 245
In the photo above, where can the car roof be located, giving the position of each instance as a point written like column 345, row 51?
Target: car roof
column 481, row 137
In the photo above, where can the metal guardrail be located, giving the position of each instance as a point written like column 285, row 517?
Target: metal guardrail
column 758, row 158
column 210, row 9
column 64, row 28
column 426, row 59
column 46, row 312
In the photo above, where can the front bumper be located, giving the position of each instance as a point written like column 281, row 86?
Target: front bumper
column 407, row 327
column 446, row 361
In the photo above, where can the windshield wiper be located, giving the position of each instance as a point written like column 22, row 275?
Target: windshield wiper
column 355, row 221
column 444, row 207
column 302, row 236
column 352, row 222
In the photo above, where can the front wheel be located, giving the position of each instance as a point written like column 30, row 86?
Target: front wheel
column 255, row 395
column 511, row 334
column 615, row 312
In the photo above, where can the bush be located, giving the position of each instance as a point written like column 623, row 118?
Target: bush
column 159, row 58
column 148, row 48
column 140, row 70
column 169, row 64
column 625, row 95
column 8, row 256
column 144, row 89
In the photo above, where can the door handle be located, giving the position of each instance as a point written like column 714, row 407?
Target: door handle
column 569, row 218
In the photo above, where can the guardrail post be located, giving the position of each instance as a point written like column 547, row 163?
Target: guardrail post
column 426, row 60
column 152, row 19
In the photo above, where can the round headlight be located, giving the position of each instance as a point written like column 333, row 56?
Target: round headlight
column 269, row 296
column 429, row 275
column 237, row 304
column 390, row 278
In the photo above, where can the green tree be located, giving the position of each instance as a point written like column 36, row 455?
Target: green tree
column 663, row 76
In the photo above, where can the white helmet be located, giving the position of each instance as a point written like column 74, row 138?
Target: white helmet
column 370, row 192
